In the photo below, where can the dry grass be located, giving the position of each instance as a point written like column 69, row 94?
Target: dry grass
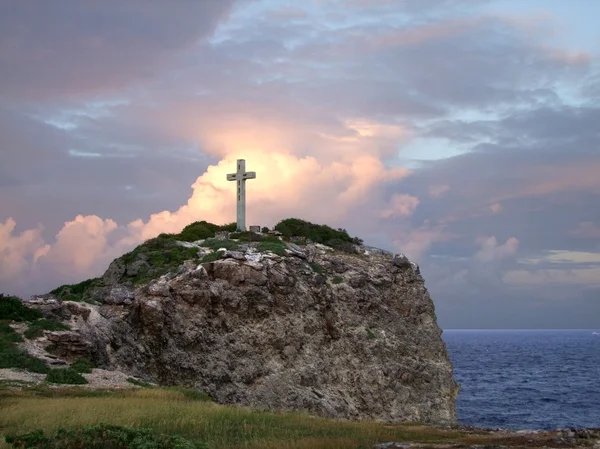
column 173, row 411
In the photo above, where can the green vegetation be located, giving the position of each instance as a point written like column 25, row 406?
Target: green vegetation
column 200, row 230
column 336, row 238
column 163, row 254
column 100, row 437
column 77, row 292
column 8, row 334
column 158, row 256
column 371, row 335
column 65, row 376
column 13, row 357
column 168, row 411
column 338, row 280
column 277, row 247
column 212, row 257
column 247, row 236
column 216, row 244
column 36, row 328
column 82, row 366
column 316, row 268
column 12, row 308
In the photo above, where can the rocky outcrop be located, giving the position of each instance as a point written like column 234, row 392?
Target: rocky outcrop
column 337, row 334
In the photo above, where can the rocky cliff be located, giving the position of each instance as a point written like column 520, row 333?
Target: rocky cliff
column 341, row 334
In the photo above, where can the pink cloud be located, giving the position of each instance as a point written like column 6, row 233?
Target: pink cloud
column 18, row 252
column 401, row 205
column 415, row 243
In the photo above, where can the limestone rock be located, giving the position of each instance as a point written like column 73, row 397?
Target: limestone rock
column 278, row 333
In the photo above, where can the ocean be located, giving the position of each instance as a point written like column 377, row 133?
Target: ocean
column 526, row 379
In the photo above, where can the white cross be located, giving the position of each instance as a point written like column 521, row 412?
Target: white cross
column 241, row 176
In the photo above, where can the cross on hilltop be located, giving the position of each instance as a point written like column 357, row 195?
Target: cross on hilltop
column 241, row 175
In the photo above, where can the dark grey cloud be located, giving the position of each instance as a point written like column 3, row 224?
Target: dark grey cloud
column 77, row 48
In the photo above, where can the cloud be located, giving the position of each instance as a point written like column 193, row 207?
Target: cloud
column 400, row 205
column 586, row 229
column 18, row 252
column 437, row 191
column 84, row 47
column 490, row 249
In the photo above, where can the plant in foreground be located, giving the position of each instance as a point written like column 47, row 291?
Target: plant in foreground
column 65, row 376
column 102, row 436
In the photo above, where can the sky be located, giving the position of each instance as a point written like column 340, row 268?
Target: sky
column 462, row 133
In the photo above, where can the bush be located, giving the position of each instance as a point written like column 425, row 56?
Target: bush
column 65, row 376
column 82, row 366
column 76, row 292
column 275, row 247
column 316, row 268
column 8, row 336
column 102, row 436
column 12, row 357
column 212, row 257
column 198, row 230
column 294, row 227
column 12, row 308
column 37, row 328
column 338, row 280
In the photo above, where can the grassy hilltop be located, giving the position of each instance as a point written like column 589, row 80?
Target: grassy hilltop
column 163, row 254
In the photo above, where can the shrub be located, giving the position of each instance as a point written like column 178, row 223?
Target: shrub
column 342, row 245
column 82, row 366
column 212, row 257
column 37, row 328
column 8, row 336
column 264, row 230
column 197, row 231
column 12, row 308
column 12, row 357
column 65, row 376
column 271, row 238
column 294, row 227
column 316, row 268
column 275, row 247
column 338, row 280
column 162, row 254
column 100, row 437
column 76, row 292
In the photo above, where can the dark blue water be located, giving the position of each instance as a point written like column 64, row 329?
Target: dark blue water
column 526, row 379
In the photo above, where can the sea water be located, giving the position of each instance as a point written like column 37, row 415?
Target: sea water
column 526, row 379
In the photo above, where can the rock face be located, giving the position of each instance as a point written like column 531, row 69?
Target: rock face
column 341, row 335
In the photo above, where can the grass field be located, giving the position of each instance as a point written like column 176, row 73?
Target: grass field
column 185, row 413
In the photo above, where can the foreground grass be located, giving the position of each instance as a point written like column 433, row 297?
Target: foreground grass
column 190, row 415
column 173, row 411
